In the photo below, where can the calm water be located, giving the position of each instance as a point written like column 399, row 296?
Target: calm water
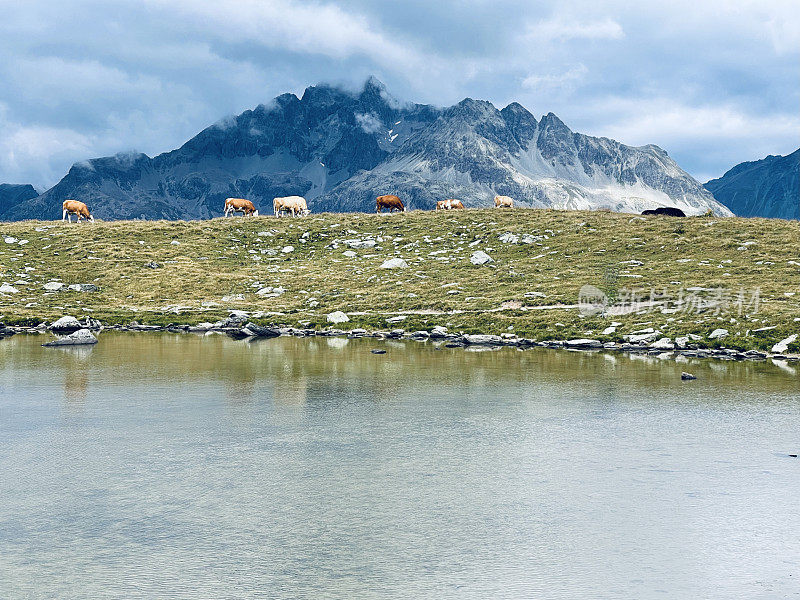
column 160, row 466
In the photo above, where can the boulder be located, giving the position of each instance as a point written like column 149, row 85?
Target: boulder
column 235, row 319
column 509, row 238
column 8, row 289
column 783, row 345
column 663, row 344
column 438, row 332
column 397, row 319
column 718, row 334
column 53, row 286
column 479, row 257
column 583, row 343
column 66, row 324
column 270, row 292
column 482, row 340
column 337, row 316
column 80, row 337
column 394, row 263
column 687, row 376
column 287, row 249
column 251, row 329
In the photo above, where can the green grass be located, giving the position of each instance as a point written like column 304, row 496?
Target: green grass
column 228, row 257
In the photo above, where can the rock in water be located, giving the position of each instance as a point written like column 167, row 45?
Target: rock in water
column 378, row 351
column 251, row 329
column 66, row 324
column 687, row 376
column 82, row 337
column 479, row 257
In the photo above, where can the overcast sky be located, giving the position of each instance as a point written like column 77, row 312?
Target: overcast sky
column 712, row 82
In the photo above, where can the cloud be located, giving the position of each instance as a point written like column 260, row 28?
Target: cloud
column 712, row 82
column 370, row 123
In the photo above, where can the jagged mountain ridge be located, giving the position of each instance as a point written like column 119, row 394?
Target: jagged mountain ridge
column 769, row 187
column 342, row 149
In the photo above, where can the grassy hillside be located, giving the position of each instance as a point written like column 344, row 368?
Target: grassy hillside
column 206, row 268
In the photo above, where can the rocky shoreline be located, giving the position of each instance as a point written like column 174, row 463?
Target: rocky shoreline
column 238, row 326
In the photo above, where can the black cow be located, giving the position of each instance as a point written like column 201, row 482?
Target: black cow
column 668, row 211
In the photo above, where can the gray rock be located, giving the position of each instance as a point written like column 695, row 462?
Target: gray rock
column 687, row 376
column 482, row 340
column 270, row 292
column 360, row 244
column 66, row 324
column 394, row 263
column 337, row 317
column 396, row 319
column 8, row 289
column 80, row 337
column 509, row 238
column 663, row 344
column 438, row 332
column 251, row 329
column 718, row 334
column 152, row 265
column 235, row 319
column 783, row 345
column 479, row 257
column 378, row 351
column 583, row 343
column 53, row 286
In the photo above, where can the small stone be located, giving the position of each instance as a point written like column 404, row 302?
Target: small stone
column 337, row 317
column 479, row 257
column 360, row 244
column 509, row 238
column 378, row 351
column 53, row 286
column 84, row 287
column 270, row 292
column 397, row 319
column 608, row 330
column 287, row 249
column 394, row 263
column 152, row 265
column 8, row 289
column 718, row 334
column 10, row 240
column 349, row 254
column 687, row 376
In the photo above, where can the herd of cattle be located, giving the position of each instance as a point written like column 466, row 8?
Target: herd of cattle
column 297, row 207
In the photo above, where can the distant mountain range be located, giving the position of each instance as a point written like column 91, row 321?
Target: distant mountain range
column 763, row 188
column 12, row 195
column 340, row 150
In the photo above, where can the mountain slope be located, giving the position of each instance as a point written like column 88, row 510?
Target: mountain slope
column 341, row 149
column 763, row 188
column 11, row 195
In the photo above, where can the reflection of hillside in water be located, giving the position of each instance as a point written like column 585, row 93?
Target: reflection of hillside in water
column 291, row 370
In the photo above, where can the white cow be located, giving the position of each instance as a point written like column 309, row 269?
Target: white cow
column 292, row 204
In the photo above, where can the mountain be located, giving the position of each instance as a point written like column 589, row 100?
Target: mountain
column 340, row 150
column 11, row 195
column 769, row 187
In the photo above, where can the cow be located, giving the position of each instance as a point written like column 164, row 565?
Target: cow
column 449, row 204
column 234, row 205
column 292, row 204
column 77, row 208
column 667, row 211
column 455, row 204
column 393, row 203
column 503, row 202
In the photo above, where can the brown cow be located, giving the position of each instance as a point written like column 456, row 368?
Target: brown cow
column 234, row 205
column 77, row 208
column 389, row 201
column 503, row 202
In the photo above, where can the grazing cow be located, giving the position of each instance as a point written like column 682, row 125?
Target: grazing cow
column 234, row 205
column 449, row 204
column 667, row 211
column 503, row 202
column 77, row 208
column 393, row 203
column 291, row 204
